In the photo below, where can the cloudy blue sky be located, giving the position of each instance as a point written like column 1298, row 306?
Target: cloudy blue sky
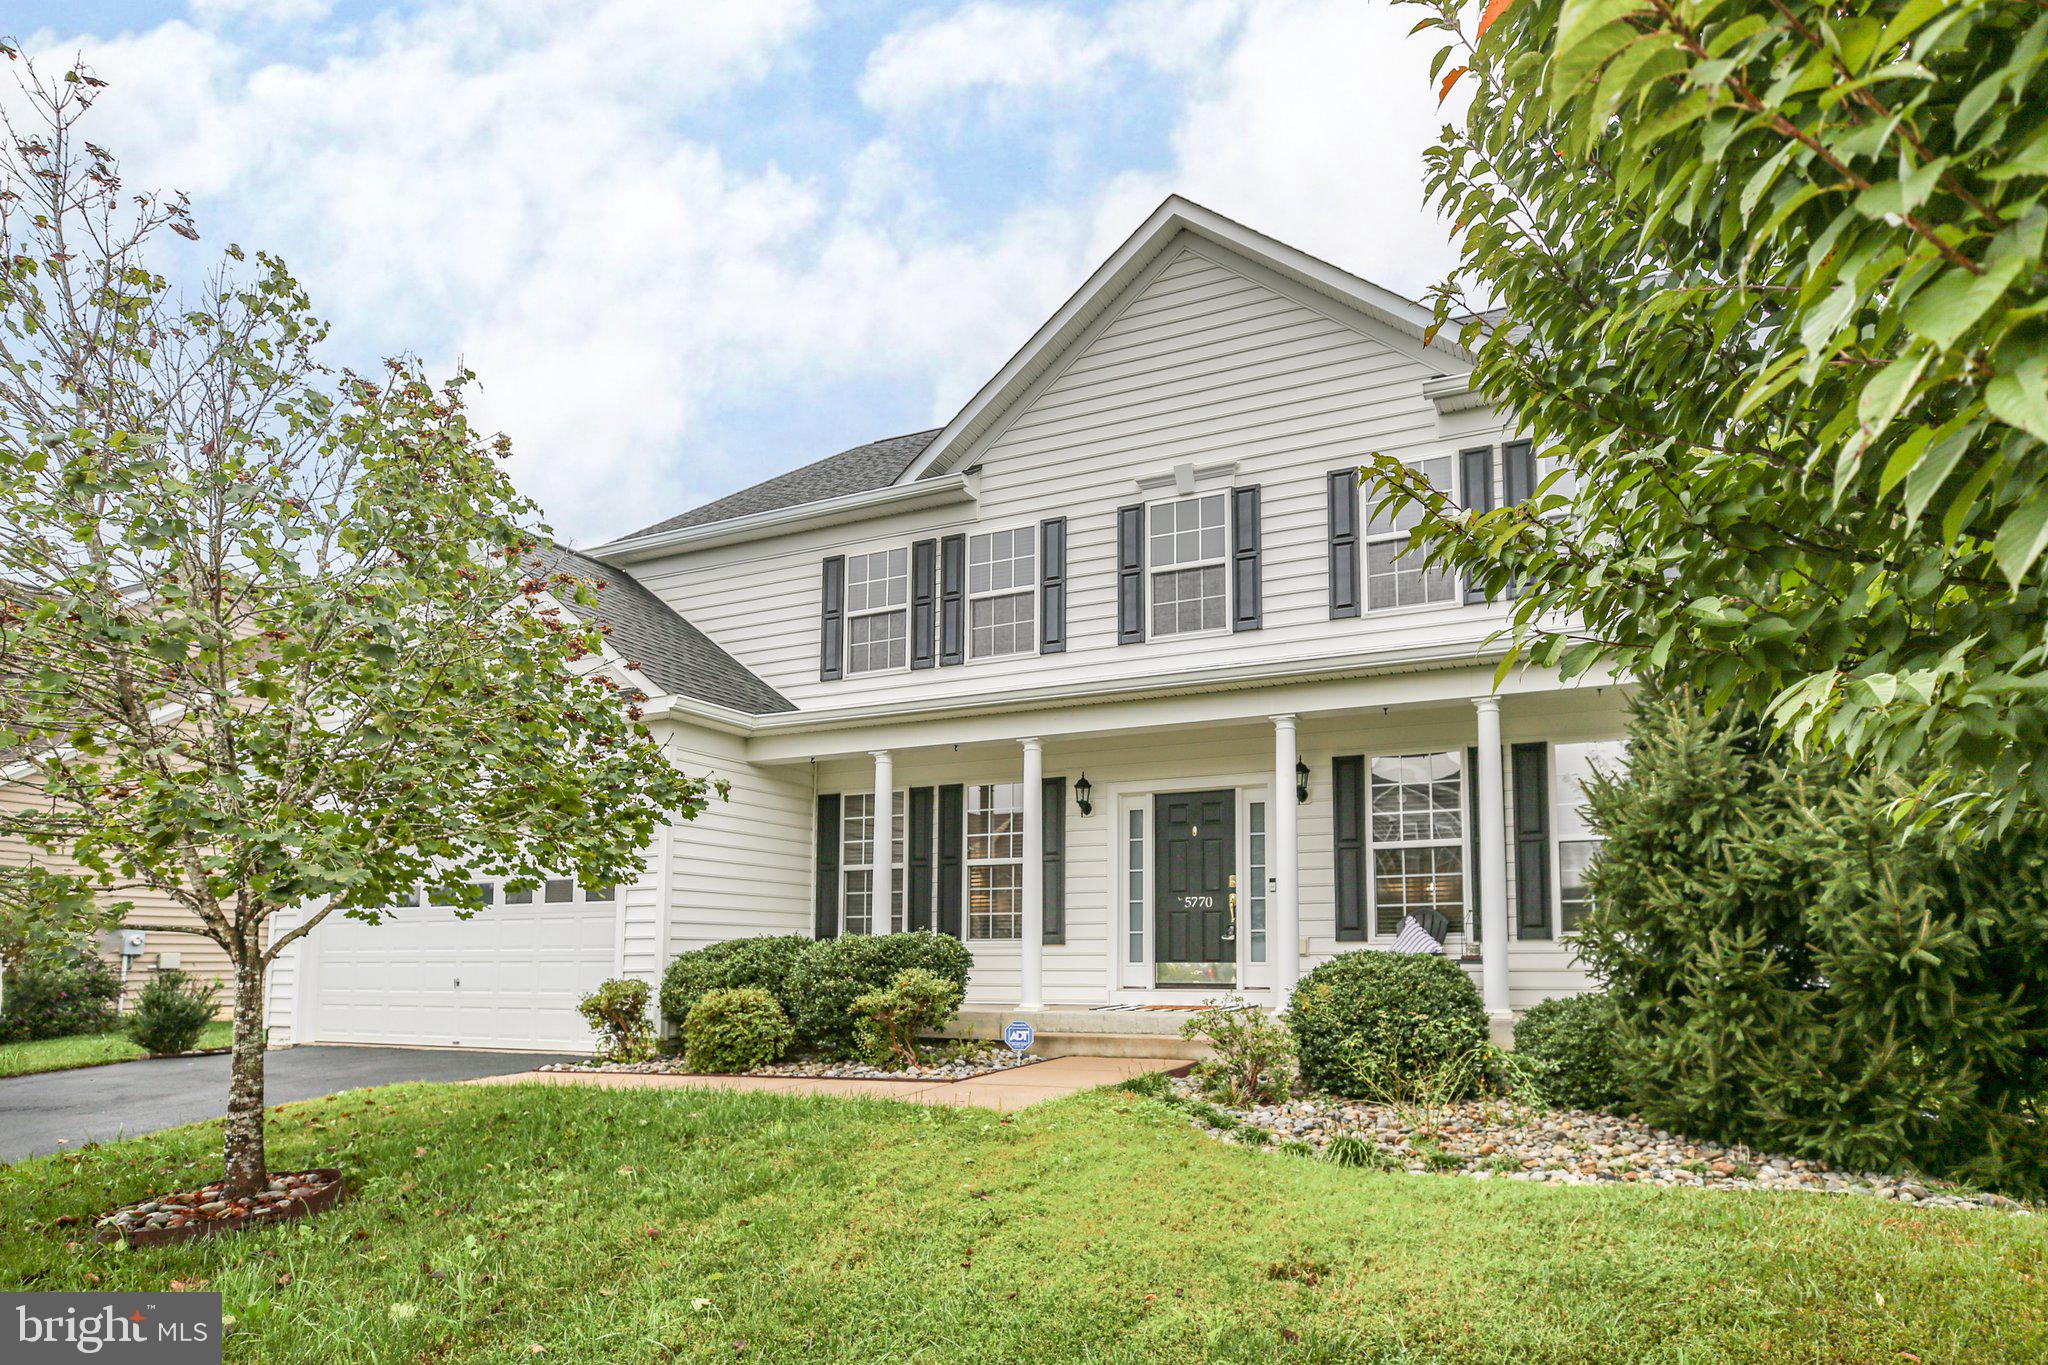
column 687, row 244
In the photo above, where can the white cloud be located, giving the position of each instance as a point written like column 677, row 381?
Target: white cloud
column 530, row 188
column 995, row 47
column 262, row 11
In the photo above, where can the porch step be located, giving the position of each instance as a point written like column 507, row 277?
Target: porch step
column 1085, row 1032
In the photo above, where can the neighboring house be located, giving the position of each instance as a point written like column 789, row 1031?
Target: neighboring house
column 193, row 951
column 1155, row 705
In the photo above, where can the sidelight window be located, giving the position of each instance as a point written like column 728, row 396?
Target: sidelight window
column 1418, row 838
column 1577, row 841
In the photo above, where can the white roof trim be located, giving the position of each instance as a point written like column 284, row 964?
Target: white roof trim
column 803, row 516
column 1453, row 393
column 1174, row 216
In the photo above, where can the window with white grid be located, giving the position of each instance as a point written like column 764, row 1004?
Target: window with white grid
column 1418, row 838
column 878, row 611
column 1394, row 573
column 1185, row 545
column 995, row 861
column 1578, row 843
column 1002, row 592
column 857, row 863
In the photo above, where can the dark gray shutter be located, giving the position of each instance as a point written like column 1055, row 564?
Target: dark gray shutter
column 1344, row 565
column 1130, row 574
column 825, row 920
column 924, row 588
column 1472, row 910
column 1054, row 885
column 1052, row 586
column 953, row 600
column 918, row 889
column 1246, row 602
column 832, row 620
column 1518, row 471
column 952, row 857
column 1347, row 799
column 1475, row 477
column 1532, row 840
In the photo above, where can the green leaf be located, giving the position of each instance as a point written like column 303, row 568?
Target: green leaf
column 2020, row 398
column 2021, row 540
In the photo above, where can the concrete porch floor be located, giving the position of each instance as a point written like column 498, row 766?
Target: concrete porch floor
column 1077, row 1031
column 1016, row 1088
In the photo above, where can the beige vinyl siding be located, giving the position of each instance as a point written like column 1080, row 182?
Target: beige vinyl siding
column 1201, row 364
column 193, row 952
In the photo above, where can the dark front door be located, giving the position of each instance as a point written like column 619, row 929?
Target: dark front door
column 1196, row 879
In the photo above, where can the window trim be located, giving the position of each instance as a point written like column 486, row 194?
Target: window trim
column 968, row 596
column 849, row 616
column 1557, row 838
column 1151, row 570
column 1366, row 540
column 1373, row 844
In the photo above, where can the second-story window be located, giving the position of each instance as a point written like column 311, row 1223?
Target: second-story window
column 878, row 611
column 1185, row 545
column 1002, row 592
column 1395, row 575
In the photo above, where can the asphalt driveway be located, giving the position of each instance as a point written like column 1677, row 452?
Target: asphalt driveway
column 61, row 1110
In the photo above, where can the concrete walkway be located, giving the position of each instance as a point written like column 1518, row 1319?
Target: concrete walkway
column 1015, row 1088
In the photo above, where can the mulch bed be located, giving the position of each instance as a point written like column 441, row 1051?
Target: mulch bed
column 966, row 1068
column 203, row 1212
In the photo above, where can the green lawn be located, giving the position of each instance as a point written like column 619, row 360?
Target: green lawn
column 651, row 1226
column 87, row 1049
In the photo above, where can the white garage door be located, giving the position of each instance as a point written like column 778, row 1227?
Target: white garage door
column 509, row 976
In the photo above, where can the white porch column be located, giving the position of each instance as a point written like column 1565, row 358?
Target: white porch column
column 883, row 906
column 1493, row 863
column 1031, row 954
column 1283, row 862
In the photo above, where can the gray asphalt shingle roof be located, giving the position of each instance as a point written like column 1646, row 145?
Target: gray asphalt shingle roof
column 674, row 654
column 874, row 465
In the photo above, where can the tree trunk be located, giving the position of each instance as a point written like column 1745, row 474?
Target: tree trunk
column 247, row 1169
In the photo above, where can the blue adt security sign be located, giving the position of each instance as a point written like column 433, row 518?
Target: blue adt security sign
column 1018, row 1035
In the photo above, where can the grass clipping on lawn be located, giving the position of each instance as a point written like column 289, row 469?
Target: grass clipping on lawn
column 602, row 1225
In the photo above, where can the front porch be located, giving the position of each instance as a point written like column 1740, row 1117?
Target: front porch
column 1168, row 851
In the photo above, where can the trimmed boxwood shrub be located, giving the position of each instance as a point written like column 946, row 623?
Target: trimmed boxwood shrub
column 1389, row 1026
column 171, row 1012
column 830, row 974
column 1567, row 1046
column 617, row 1013
column 59, row 997
column 763, row 963
column 736, row 1029
column 888, row 1022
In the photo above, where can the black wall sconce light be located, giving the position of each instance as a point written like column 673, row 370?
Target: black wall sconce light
column 1084, row 795
column 1300, row 782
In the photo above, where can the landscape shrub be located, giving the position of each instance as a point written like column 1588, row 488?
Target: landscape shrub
column 738, row 1028
column 1566, row 1049
column 758, row 962
column 58, row 996
column 1796, row 967
column 1254, row 1056
column 888, row 1022
column 830, row 974
column 617, row 1013
column 171, row 1012
column 1392, row 1027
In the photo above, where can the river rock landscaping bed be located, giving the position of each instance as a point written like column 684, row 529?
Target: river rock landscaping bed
column 1504, row 1140
column 205, row 1212
column 952, row 1068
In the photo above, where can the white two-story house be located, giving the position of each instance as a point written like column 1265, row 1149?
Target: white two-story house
column 1115, row 676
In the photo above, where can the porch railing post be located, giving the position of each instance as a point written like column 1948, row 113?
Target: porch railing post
column 1031, row 952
